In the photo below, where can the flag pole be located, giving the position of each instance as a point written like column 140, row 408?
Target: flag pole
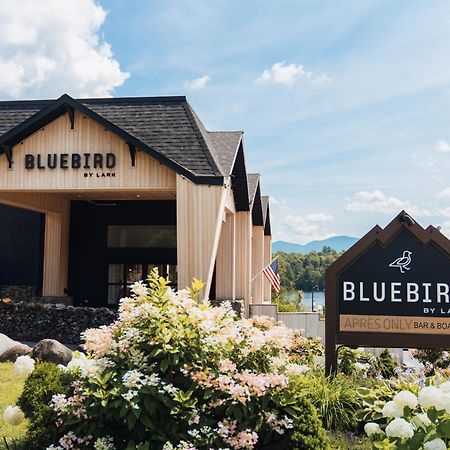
column 261, row 271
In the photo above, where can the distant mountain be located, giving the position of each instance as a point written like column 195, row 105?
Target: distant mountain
column 338, row 243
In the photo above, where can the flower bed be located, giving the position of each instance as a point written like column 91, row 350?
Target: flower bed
column 171, row 373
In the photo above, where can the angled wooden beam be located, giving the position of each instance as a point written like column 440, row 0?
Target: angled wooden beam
column 71, row 111
column 8, row 152
column 132, row 154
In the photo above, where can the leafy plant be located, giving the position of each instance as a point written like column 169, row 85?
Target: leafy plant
column 432, row 359
column 335, row 399
column 36, row 403
column 347, row 360
column 385, row 364
column 174, row 373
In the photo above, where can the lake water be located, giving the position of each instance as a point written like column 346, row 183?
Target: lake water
column 319, row 299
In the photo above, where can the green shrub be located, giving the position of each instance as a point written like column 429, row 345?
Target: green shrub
column 386, row 364
column 174, row 373
column 335, row 399
column 347, row 360
column 309, row 433
column 432, row 359
column 45, row 381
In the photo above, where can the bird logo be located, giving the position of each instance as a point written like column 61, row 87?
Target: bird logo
column 403, row 262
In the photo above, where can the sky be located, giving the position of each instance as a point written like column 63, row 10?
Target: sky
column 345, row 105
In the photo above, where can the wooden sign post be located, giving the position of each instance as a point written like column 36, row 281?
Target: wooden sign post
column 391, row 289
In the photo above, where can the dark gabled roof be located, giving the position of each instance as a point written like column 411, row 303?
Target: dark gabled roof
column 253, row 183
column 266, row 215
column 224, row 146
column 254, row 197
column 165, row 127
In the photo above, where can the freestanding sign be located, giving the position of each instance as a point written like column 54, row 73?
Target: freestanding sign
column 391, row 289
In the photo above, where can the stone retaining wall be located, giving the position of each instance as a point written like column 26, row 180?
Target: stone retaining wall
column 18, row 293
column 31, row 322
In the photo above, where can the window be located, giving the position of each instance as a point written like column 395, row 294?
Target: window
column 122, row 276
column 142, row 236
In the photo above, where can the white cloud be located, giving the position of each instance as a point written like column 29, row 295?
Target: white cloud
column 302, row 229
column 278, row 202
column 377, row 201
column 319, row 217
column 288, row 74
column 445, row 193
column 52, row 47
column 282, row 73
column 442, row 146
column 198, row 84
column 445, row 212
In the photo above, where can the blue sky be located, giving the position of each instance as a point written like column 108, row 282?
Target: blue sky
column 345, row 105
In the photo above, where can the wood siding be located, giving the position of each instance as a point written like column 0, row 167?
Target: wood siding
column 200, row 210
column 267, row 260
column 87, row 137
column 56, row 252
column 243, row 257
column 257, row 264
column 225, row 263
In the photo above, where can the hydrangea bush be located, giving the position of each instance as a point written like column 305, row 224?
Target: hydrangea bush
column 173, row 373
column 414, row 422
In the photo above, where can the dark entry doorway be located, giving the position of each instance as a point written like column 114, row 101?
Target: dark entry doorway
column 114, row 244
column 21, row 252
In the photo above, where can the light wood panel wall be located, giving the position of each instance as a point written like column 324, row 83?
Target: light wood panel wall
column 225, row 262
column 87, row 137
column 56, row 252
column 267, row 260
column 257, row 264
column 33, row 201
column 243, row 257
column 200, row 211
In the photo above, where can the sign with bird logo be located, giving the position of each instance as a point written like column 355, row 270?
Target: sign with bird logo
column 391, row 289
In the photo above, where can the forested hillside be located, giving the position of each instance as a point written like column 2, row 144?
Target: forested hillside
column 304, row 271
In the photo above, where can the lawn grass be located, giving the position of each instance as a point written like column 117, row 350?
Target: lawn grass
column 10, row 388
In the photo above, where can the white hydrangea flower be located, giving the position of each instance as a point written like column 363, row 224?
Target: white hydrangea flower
column 105, row 443
column 444, row 402
column 372, row 428
column 406, row 398
column 296, row 369
column 392, row 409
column 423, row 419
column 445, row 387
column 400, row 428
column 435, row 444
column 139, row 289
column 13, row 415
column 24, row 365
column 429, row 396
column 362, row 367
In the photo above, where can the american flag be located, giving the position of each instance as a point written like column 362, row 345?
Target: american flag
column 272, row 273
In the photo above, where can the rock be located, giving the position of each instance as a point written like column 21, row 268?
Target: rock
column 12, row 353
column 6, row 343
column 31, row 322
column 52, row 351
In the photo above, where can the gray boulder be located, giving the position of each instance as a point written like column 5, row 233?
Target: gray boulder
column 13, row 352
column 52, row 351
column 6, row 343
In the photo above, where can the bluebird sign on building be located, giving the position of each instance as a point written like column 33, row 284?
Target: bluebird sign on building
column 391, row 289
